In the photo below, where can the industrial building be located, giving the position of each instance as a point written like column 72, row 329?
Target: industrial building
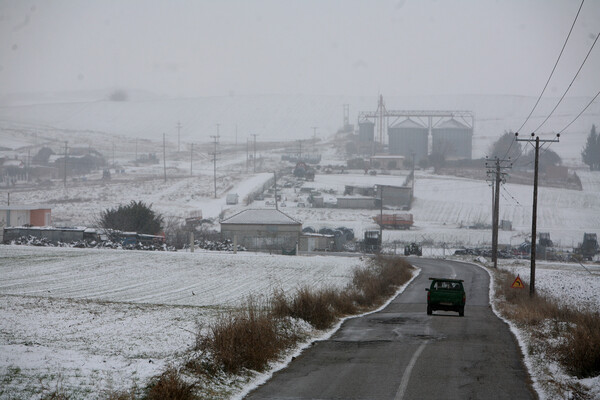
column 419, row 132
column 408, row 137
column 452, row 139
column 263, row 230
column 366, row 131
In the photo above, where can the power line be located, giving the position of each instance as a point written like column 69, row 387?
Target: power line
column 553, row 69
column 570, row 84
column 511, row 196
column 579, row 115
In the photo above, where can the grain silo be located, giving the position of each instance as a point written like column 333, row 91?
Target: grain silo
column 408, row 137
column 366, row 131
column 453, row 139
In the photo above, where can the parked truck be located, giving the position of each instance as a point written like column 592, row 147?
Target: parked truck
column 371, row 242
column 589, row 247
column 394, row 221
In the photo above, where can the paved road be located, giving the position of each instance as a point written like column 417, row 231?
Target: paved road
column 402, row 353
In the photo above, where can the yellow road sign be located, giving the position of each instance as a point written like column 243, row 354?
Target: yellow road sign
column 518, row 283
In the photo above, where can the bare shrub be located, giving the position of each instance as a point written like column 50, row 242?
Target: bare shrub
column 170, row 386
column 380, row 279
column 580, row 353
column 315, row 307
column 247, row 338
column 577, row 331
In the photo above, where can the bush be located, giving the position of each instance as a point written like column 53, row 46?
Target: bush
column 170, row 386
column 133, row 217
column 576, row 333
column 255, row 335
column 247, row 338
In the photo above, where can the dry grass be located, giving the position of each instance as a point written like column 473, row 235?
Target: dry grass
column 255, row 335
column 575, row 332
column 377, row 282
column 318, row 308
column 370, row 287
column 170, row 386
column 248, row 338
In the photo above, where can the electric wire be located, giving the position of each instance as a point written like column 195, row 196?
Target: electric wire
column 546, row 85
column 553, row 69
column 570, row 84
column 511, row 196
column 579, row 115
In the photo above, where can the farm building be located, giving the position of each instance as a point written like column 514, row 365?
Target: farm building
column 316, row 242
column 387, row 162
column 25, row 215
column 453, row 139
column 359, row 190
column 52, row 234
column 263, row 230
column 355, row 202
column 395, row 196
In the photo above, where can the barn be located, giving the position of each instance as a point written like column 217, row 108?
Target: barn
column 263, row 230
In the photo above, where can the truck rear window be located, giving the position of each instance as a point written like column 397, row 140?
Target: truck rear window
column 447, row 285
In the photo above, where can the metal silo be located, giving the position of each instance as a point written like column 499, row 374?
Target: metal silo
column 408, row 137
column 366, row 131
column 453, row 139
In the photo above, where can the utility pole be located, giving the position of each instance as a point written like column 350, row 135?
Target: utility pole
column 136, row 157
column 412, row 190
column 178, row 126
column 66, row 154
column 247, row 153
column 214, row 154
column 381, row 216
column 164, row 156
column 254, row 159
column 499, row 178
column 314, row 128
column 300, row 150
column 275, row 186
column 537, row 142
column 191, row 157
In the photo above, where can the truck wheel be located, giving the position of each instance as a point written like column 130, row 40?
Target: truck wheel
column 429, row 311
column 461, row 312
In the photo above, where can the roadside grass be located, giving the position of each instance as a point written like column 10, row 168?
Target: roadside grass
column 254, row 336
column 566, row 335
column 246, row 340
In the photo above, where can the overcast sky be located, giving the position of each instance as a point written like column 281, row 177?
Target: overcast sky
column 349, row 47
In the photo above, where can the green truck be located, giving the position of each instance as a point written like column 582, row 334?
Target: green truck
column 447, row 295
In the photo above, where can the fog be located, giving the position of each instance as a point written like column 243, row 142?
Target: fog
column 229, row 48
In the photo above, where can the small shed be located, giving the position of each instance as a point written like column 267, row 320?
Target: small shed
column 395, row 196
column 316, row 242
column 263, row 230
column 356, row 202
column 25, row 215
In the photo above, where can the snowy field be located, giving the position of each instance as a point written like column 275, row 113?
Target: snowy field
column 94, row 320
column 573, row 284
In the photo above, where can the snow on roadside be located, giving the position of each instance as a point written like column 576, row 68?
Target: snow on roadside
column 563, row 281
column 90, row 320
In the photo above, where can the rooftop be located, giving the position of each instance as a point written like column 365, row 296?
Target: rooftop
column 261, row 217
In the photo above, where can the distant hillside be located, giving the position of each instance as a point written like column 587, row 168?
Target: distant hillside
column 88, row 116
